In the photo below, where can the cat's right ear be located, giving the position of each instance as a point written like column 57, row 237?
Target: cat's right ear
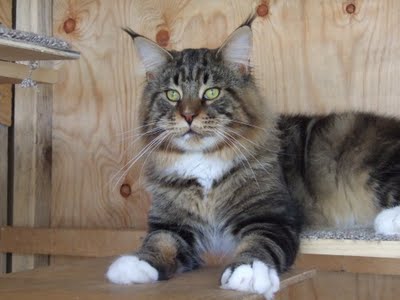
column 152, row 56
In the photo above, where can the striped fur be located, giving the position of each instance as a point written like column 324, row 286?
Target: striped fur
column 242, row 182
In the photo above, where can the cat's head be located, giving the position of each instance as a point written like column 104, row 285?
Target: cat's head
column 199, row 99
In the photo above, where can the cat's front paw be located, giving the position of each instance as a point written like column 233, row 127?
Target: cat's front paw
column 256, row 278
column 130, row 269
column 388, row 221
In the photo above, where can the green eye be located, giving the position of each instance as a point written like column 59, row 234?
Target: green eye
column 211, row 94
column 173, row 95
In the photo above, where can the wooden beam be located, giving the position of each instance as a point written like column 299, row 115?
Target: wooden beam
column 32, row 139
column 74, row 242
column 15, row 73
column 85, row 280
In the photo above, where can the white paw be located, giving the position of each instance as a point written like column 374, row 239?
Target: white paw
column 388, row 221
column 129, row 269
column 255, row 278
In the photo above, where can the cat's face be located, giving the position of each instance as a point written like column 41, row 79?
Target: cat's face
column 195, row 99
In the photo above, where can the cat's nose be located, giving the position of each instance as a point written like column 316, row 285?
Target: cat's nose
column 189, row 116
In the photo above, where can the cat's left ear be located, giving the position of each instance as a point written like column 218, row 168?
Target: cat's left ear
column 152, row 56
column 236, row 49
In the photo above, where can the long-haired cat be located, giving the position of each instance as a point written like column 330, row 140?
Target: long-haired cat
column 228, row 176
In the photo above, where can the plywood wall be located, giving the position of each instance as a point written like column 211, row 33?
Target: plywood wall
column 309, row 56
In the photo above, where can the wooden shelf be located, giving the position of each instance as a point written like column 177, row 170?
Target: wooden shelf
column 85, row 280
column 12, row 50
column 361, row 248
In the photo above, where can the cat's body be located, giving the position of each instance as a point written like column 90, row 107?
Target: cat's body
column 228, row 176
column 342, row 168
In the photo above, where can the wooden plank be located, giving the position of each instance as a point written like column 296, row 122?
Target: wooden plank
column 13, row 50
column 15, row 73
column 86, row 281
column 387, row 249
column 58, row 241
column 32, row 140
column 5, row 90
column 351, row 264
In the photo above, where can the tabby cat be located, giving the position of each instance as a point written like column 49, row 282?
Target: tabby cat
column 228, row 176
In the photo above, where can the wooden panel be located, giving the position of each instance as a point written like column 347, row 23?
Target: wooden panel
column 32, row 140
column 15, row 73
column 86, row 281
column 12, row 50
column 5, row 90
column 314, row 56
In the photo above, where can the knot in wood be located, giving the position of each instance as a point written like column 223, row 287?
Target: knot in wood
column 162, row 38
column 69, row 25
column 125, row 190
column 262, row 10
column 350, row 8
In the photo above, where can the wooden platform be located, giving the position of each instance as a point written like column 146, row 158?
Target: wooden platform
column 85, row 280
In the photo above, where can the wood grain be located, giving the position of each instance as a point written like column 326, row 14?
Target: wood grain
column 86, row 281
column 32, row 140
column 5, row 90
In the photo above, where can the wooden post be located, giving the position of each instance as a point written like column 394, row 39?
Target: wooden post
column 5, row 120
column 32, row 139
column 3, row 187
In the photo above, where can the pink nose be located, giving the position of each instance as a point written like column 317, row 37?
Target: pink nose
column 188, row 117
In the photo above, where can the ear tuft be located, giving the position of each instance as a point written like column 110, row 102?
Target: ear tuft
column 152, row 56
column 237, row 47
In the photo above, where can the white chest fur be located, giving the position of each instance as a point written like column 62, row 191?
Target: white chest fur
column 204, row 168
